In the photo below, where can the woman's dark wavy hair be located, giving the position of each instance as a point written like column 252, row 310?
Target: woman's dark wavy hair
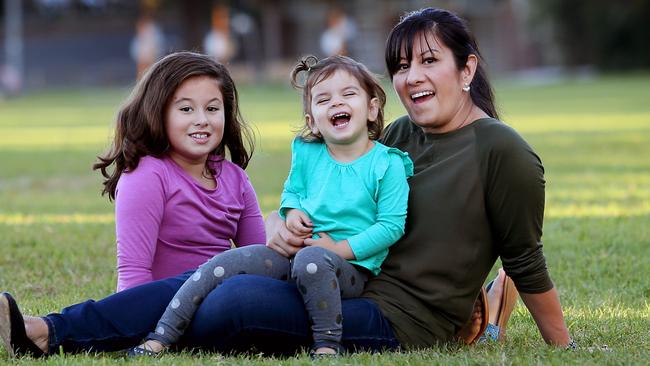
column 453, row 32
column 140, row 125
column 316, row 71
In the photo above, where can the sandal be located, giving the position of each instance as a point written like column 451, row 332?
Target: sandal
column 318, row 356
column 339, row 350
column 508, row 302
column 472, row 338
column 141, row 352
column 145, row 350
column 497, row 331
column 12, row 330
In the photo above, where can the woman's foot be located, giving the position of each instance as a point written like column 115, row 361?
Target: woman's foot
column 150, row 347
column 501, row 297
column 21, row 336
column 471, row 331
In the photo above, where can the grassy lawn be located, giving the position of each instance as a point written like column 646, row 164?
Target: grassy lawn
column 57, row 234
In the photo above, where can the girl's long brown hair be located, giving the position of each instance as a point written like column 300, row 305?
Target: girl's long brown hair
column 140, row 125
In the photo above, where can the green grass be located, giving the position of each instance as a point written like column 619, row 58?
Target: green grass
column 57, row 235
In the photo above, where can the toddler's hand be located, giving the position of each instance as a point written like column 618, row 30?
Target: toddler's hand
column 341, row 248
column 299, row 223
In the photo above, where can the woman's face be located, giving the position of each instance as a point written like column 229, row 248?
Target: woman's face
column 430, row 86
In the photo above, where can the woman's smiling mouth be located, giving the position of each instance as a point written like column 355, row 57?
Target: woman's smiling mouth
column 422, row 96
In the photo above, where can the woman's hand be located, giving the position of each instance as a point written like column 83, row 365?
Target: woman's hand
column 280, row 238
column 547, row 313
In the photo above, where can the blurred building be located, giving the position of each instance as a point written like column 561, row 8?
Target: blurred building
column 88, row 42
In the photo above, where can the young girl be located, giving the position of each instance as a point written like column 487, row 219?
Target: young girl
column 346, row 195
column 178, row 201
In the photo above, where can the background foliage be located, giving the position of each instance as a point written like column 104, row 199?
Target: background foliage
column 607, row 34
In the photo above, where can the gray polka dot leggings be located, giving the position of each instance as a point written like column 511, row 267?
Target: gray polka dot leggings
column 322, row 277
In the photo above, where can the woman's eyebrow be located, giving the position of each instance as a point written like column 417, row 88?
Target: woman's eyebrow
column 429, row 50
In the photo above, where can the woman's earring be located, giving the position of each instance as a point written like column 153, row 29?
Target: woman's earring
column 466, row 87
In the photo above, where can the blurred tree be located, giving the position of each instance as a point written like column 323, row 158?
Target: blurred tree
column 196, row 21
column 604, row 33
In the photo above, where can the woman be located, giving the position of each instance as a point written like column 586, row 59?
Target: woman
column 477, row 194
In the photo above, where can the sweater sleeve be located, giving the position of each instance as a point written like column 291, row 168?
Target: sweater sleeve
column 250, row 229
column 139, row 208
column 392, row 200
column 515, row 204
column 293, row 185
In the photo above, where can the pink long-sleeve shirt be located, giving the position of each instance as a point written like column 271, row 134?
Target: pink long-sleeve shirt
column 166, row 223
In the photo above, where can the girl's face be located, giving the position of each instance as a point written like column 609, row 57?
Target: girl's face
column 194, row 120
column 341, row 109
column 430, row 86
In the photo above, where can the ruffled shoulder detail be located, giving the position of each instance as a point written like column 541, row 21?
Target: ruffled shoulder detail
column 389, row 155
column 385, row 158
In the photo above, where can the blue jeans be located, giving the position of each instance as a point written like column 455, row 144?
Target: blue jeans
column 245, row 313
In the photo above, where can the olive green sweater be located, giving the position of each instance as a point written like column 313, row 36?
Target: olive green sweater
column 477, row 194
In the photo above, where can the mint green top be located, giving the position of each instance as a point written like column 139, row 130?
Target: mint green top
column 363, row 201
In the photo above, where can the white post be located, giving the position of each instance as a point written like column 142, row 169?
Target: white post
column 12, row 75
